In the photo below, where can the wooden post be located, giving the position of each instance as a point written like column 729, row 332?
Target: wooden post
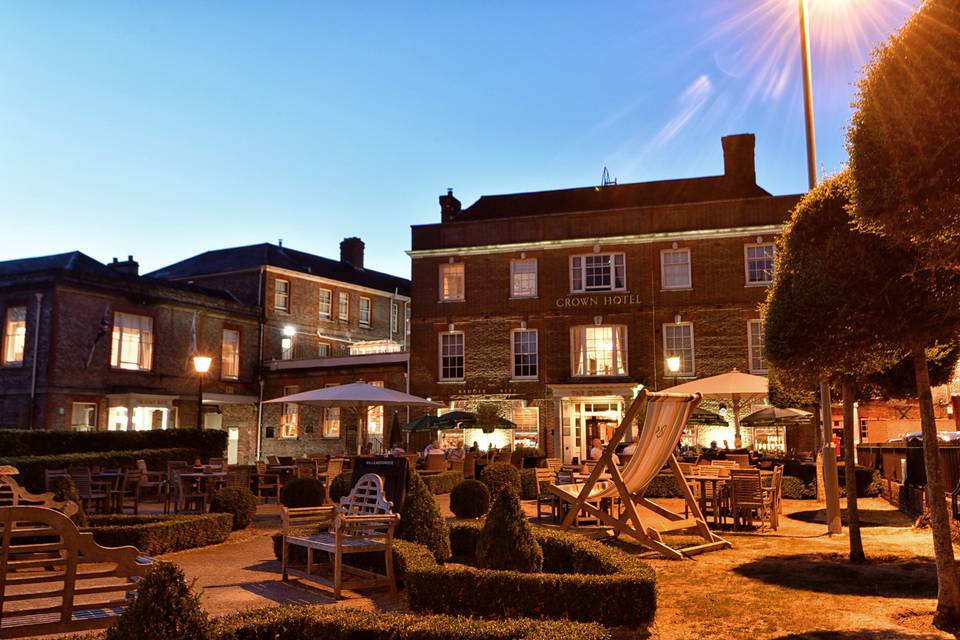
column 831, row 487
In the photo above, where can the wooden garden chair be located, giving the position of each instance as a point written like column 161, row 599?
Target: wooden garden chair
column 746, row 497
column 128, row 491
column 13, row 495
column 436, row 462
column 546, row 476
column 328, row 475
column 665, row 416
column 91, row 493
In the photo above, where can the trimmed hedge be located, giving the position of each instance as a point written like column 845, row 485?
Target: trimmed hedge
column 506, row 541
column 498, row 475
column 583, row 580
column 421, row 520
column 163, row 608
column 442, row 482
column 528, row 484
column 154, row 535
column 239, row 502
column 42, row 442
column 302, row 492
column 325, row 623
column 341, row 486
column 663, row 485
column 32, row 467
column 794, row 488
column 469, row 499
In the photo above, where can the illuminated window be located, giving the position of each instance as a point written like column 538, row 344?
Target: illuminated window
column 290, row 415
column 524, row 346
column 230, row 354
column 364, row 312
column 675, row 269
column 331, row 420
column 375, row 414
column 83, row 416
column 394, row 317
column 132, row 343
column 343, row 308
column 758, row 360
column 678, row 341
column 286, row 347
column 599, row 350
column 326, row 304
column 598, row 272
column 527, row 431
column 759, row 262
column 523, row 278
column 451, row 281
column 451, row 356
column 14, row 336
column 281, row 295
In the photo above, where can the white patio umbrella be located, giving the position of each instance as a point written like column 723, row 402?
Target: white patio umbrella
column 357, row 397
column 740, row 387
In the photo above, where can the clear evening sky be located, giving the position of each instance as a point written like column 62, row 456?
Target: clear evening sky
column 164, row 129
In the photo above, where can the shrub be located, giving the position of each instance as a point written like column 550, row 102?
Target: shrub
column 302, row 492
column 506, row 541
column 869, row 481
column 341, row 486
column 324, row 623
column 531, row 456
column 499, row 475
column 163, row 608
column 237, row 501
column 41, row 442
column 154, row 535
column 796, row 489
column 528, row 484
column 470, row 499
column 421, row 520
column 663, row 485
column 442, row 482
column 32, row 467
column 583, row 580
column 66, row 489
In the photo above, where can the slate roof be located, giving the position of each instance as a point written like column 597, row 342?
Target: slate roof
column 638, row 194
column 266, row 254
column 73, row 261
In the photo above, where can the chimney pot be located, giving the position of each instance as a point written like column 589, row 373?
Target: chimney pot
column 738, row 157
column 449, row 207
column 129, row 266
column 351, row 252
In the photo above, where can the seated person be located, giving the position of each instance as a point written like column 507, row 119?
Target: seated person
column 434, row 449
column 597, row 451
column 456, row 453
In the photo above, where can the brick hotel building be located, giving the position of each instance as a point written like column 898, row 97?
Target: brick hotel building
column 559, row 305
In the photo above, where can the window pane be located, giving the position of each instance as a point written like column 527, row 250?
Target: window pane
column 451, row 281
column 524, row 278
column 524, row 354
column 678, row 341
column 14, row 335
column 365, row 311
column 326, row 304
column 281, row 295
column 451, row 356
column 344, row 306
column 132, row 342
column 758, row 362
column 760, row 263
column 230, row 354
column 599, row 351
column 676, row 269
column 599, row 272
column 290, row 415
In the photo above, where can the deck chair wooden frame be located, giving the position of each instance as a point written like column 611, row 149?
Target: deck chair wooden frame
column 13, row 495
column 629, row 522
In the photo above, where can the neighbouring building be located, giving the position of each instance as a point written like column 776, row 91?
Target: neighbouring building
column 88, row 346
column 559, row 305
column 322, row 322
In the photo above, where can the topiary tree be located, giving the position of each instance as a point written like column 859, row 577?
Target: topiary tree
column 66, row 489
column 499, row 475
column 163, row 608
column 506, row 541
column 238, row 501
column 469, row 499
column 421, row 520
column 903, row 137
column 302, row 492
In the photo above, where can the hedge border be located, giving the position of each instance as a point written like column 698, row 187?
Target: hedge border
column 325, row 623
column 442, row 482
column 583, row 581
column 158, row 534
column 36, row 442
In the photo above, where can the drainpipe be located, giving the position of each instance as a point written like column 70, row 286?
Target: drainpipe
column 260, row 287
column 36, row 346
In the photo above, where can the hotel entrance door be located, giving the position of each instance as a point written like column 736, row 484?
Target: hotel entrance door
column 585, row 419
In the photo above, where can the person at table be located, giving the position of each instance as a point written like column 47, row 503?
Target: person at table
column 632, row 447
column 427, row 449
column 597, row 452
column 366, row 449
column 475, row 448
column 456, row 453
column 397, row 451
column 433, row 449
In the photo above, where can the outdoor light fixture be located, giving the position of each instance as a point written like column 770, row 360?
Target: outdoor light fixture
column 289, row 330
column 673, row 366
column 201, row 365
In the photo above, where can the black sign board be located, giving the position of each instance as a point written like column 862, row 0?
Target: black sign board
column 392, row 470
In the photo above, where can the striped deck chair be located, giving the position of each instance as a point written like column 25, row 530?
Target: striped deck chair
column 665, row 416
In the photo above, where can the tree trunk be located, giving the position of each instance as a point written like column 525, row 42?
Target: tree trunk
column 831, row 483
column 948, row 590
column 818, row 454
column 850, row 475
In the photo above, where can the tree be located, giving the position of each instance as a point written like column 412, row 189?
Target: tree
column 903, row 137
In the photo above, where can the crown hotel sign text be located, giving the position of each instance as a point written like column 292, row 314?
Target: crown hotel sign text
column 611, row 300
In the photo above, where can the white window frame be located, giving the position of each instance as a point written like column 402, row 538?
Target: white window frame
column 441, row 273
column 663, row 270
column 686, row 373
column 625, row 351
column 368, row 322
column 343, row 306
column 277, row 296
column 229, row 367
column 287, row 346
column 289, row 410
column 87, row 405
column 531, row 293
column 513, row 355
column 746, row 263
column 14, row 340
column 751, row 346
column 440, row 356
column 328, row 314
column 323, row 350
column 582, row 260
column 145, row 347
column 394, row 317
column 331, row 415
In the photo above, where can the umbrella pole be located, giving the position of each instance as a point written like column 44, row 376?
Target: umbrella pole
column 737, row 440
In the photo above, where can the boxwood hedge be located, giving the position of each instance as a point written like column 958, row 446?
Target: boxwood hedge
column 41, row 442
column 442, row 482
column 31, row 467
column 154, row 535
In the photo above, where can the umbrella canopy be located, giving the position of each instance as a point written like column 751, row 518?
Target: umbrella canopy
column 739, row 387
column 423, row 423
column 770, row 416
column 702, row 417
column 466, row 418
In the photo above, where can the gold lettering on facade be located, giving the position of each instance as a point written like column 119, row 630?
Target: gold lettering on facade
column 615, row 300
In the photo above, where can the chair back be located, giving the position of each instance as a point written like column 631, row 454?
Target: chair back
column 553, row 464
column 82, row 478
column 273, row 460
column 742, row 459
column 216, row 463
column 544, row 476
column 173, row 465
column 334, row 467
column 306, row 468
column 292, row 519
column 708, row 470
column 686, row 468
column 142, row 465
column 238, row 476
column 469, row 465
column 456, row 465
column 729, row 464
column 51, row 477
column 131, row 480
column 366, row 498
column 745, row 487
column 436, row 462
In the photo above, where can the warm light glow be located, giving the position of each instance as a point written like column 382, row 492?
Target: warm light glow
column 202, row 363
column 673, row 364
column 289, row 330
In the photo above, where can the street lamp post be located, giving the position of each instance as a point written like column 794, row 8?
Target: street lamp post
column 201, row 364
column 831, row 487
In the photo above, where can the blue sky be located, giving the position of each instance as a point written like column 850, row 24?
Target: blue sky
column 164, row 129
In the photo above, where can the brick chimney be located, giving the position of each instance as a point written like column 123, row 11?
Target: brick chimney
column 738, row 157
column 129, row 266
column 449, row 207
column 351, row 252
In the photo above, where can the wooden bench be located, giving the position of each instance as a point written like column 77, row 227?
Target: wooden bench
column 55, row 579
column 13, row 495
column 363, row 522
